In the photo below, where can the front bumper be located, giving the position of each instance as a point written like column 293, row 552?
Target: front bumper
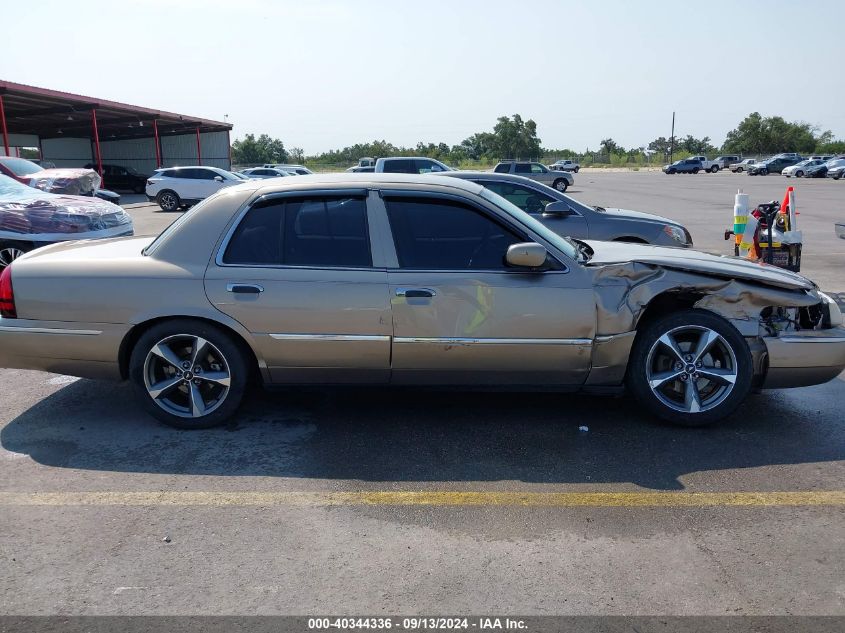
column 799, row 359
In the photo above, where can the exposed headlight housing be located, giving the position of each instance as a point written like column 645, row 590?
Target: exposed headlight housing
column 677, row 233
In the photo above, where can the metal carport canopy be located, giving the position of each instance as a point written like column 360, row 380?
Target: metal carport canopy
column 52, row 114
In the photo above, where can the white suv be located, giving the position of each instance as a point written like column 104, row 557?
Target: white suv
column 176, row 187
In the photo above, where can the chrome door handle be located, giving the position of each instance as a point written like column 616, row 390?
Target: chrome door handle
column 415, row 293
column 244, row 289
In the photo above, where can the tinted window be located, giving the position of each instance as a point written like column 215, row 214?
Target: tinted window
column 426, row 166
column 537, row 168
column 202, row 174
column 403, row 166
column 303, row 232
column 525, row 198
column 503, row 168
column 523, row 168
column 438, row 234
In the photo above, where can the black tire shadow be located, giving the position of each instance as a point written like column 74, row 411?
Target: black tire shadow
column 425, row 435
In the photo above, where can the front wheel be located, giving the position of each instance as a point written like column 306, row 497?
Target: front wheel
column 695, row 171
column 739, row 170
column 188, row 374
column 714, row 169
column 690, row 368
column 576, row 169
column 799, row 174
column 168, row 200
column 561, row 184
column 763, row 172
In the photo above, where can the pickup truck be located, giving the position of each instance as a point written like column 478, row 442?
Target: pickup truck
column 409, row 165
column 707, row 165
column 565, row 165
column 560, row 180
column 726, row 161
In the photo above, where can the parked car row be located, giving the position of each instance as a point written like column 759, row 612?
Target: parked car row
column 421, row 279
column 31, row 218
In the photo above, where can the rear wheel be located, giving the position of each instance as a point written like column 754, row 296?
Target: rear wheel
column 691, row 368
column 576, row 169
column 799, row 174
column 714, row 169
column 168, row 200
column 739, row 170
column 561, row 184
column 10, row 251
column 695, row 171
column 188, row 374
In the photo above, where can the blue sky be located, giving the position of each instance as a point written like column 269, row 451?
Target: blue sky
column 323, row 75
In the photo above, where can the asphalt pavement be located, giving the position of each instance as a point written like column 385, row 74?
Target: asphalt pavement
column 379, row 502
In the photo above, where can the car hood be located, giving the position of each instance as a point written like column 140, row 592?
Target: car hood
column 697, row 262
column 637, row 215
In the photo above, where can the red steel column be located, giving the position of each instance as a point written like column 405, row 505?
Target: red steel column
column 97, row 145
column 3, row 124
column 158, row 144
column 199, row 151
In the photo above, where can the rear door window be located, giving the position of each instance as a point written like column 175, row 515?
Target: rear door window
column 313, row 231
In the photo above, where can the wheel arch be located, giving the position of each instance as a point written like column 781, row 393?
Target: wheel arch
column 138, row 330
column 665, row 303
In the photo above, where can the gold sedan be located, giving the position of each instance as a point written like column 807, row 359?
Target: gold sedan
column 407, row 280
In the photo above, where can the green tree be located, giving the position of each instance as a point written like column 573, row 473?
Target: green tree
column 608, row 146
column 296, row 154
column 756, row 134
column 516, row 138
column 252, row 151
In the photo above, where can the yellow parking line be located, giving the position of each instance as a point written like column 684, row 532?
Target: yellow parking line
column 423, row 498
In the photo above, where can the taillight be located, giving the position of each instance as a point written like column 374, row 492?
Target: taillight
column 7, row 297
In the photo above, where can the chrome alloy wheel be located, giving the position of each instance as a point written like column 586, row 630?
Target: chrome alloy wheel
column 168, row 201
column 691, row 369
column 187, row 376
column 8, row 255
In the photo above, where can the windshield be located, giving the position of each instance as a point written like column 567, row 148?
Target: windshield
column 561, row 243
column 21, row 167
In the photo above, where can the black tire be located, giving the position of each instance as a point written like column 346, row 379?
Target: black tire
column 168, row 200
column 837, row 176
column 10, row 251
column 739, row 170
column 576, row 169
column 670, row 172
column 799, row 174
column 225, row 355
column 714, row 169
column 695, row 171
column 561, row 184
column 723, row 400
column 763, row 172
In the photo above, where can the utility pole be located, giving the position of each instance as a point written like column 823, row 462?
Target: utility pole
column 672, row 139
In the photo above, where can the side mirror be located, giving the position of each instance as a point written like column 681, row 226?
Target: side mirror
column 218, row 178
column 526, row 255
column 558, row 209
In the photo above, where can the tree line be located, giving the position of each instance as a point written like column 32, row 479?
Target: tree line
column 515, row 137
